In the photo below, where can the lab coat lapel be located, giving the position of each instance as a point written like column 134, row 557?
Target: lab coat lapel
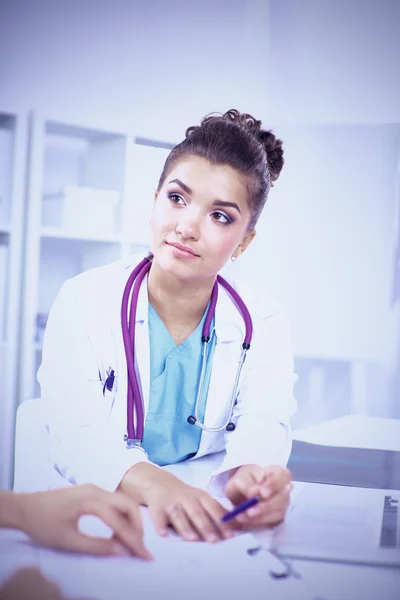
column 230, row 330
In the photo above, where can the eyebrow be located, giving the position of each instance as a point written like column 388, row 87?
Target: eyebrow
column 215, row 203
column 227, row 204
column 182, row 185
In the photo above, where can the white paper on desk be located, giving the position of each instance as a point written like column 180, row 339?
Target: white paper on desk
column 180, row 569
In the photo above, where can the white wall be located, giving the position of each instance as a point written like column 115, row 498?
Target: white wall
column 326, row 239
column 155, row 67
column 335, row 60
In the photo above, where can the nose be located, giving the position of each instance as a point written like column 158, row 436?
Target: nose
column 188, row 225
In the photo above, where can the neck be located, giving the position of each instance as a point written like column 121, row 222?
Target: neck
column 178, row 302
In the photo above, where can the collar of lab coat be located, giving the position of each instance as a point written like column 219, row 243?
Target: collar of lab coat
column 229, row 324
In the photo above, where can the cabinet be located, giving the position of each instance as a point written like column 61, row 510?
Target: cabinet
column 13, row 147
column 90, row 195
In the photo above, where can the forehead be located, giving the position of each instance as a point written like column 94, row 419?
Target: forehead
column 214, row 181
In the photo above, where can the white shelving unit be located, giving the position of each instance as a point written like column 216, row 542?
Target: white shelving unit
column 64, row 155
column 13, row 147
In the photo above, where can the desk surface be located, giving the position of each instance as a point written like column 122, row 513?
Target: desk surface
column 219, row 578
column 354, row 431
column 121, row 578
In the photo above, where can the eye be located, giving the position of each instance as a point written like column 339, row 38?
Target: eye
column 176, row 199
column 222, row 218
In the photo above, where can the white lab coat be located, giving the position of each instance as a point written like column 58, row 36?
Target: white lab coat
column 83, row 340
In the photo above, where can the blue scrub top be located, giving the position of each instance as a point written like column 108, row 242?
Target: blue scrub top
column 174, row 380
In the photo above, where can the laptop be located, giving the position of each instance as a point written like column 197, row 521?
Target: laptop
column 339, row 523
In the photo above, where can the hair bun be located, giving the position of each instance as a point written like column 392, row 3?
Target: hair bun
column 274, row 149
column 272, row 145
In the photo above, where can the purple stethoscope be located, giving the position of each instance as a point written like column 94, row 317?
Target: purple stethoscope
column 134, row 435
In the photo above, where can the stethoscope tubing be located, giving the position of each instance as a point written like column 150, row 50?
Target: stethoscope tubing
column 134, row 435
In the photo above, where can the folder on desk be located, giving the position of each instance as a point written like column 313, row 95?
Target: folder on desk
column 357, row 467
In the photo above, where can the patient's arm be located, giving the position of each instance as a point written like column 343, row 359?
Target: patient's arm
column 51, row 518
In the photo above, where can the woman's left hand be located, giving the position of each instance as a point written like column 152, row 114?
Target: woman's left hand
column 271, row 484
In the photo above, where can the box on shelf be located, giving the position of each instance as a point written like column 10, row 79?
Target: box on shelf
column 89, row 210
column 81, row 210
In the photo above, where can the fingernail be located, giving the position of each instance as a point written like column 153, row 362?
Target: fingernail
column 163, row 532
column 212, row 538
column 190, row 535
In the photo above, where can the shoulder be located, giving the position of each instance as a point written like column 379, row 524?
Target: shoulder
column 100, row 285
column 261, row 303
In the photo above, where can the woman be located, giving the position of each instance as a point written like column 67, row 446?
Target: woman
column 210, row 195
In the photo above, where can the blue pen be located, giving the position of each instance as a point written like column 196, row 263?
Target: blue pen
column 239, row 509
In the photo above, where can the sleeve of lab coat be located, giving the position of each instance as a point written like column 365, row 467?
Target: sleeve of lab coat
column 264, row 405
column 85, row 445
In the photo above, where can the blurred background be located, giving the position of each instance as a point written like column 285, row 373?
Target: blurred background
column 94, row 93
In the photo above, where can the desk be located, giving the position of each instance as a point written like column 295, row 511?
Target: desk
column 353, row 431
column 117, row 578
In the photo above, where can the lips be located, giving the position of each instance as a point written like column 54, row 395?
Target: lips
column 183, row 248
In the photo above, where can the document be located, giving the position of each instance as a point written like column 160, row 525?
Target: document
column 180, row 570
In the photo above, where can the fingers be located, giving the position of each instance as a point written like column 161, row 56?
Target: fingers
column 78, row 542
column 160, row 520
column 205, row 523
column 238, row 487
column 272, row 485
column 124, row 520
column 275, row 479
column 268, row 512
column 130, row 509
column 196, row 518
column 177, row 518
column 215, row 511
column 184, row 526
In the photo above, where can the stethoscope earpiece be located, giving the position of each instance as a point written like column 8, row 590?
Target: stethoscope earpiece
column 192, row 420
column 231, row 426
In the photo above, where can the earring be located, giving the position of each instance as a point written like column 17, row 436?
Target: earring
column 233, row 258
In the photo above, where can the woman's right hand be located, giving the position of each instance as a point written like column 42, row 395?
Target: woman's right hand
column 192, row 512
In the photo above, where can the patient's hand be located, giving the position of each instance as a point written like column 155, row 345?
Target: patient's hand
column 51, row 518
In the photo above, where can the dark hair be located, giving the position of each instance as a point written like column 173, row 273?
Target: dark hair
column 235, row 140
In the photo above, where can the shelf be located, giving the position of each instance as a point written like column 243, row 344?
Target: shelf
column 5, row 228
column 60, row 234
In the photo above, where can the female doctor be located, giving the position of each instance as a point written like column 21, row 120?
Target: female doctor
column 210, row 195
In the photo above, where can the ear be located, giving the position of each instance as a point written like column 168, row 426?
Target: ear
column 249, row 237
